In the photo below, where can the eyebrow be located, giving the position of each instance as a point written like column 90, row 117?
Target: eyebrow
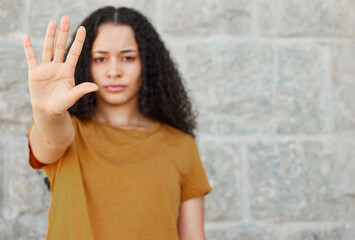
column 123, row 51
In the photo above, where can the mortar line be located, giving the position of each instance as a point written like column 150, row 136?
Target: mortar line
column 327, row 81
column 26, row 15
column 158, row 16
column 266, row 138
column 276, row 78
column 5, row 178
column 293, row 225
column 255, row 13
column 255, row 39
column 245, row 184
column 2, row 180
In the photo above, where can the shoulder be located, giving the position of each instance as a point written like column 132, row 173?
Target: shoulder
column 173, row 131
column 178, row 137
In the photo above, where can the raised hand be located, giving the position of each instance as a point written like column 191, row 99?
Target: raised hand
column 51, row 83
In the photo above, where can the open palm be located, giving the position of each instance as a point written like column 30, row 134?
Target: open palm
column 51, row 83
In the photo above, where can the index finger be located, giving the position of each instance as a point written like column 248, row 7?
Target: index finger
column 76, row 47
column 29, row 52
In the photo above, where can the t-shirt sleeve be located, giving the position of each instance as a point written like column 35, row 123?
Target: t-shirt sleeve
column 196, row 182
column 33, row 161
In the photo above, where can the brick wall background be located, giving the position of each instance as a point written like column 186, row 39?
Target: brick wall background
column 274, row 83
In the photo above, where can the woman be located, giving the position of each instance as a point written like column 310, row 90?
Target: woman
column 113, row 131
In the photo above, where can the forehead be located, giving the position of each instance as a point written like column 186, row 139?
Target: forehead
column 113, row 37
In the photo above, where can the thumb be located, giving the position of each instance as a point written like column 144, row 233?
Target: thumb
column 82, row 89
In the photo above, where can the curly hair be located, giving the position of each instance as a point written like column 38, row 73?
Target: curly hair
column 162, row 95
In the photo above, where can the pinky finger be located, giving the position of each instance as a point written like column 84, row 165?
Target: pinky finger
column 29, row 52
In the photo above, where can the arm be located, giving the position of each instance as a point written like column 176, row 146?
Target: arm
column 58, row 134
column 52, row 90
column 191, row 219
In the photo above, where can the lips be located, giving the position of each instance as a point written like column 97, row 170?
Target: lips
column 115, row 88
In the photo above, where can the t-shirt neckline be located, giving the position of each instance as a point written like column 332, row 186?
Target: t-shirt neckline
column 134, row 132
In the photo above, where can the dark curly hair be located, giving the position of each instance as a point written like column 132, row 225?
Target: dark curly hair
column 162, row 95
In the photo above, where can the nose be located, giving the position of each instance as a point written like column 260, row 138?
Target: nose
column 114, row 70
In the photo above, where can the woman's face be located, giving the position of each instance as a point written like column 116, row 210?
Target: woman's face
column 116, row 65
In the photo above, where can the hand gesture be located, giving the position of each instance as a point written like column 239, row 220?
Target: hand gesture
column 51, row 83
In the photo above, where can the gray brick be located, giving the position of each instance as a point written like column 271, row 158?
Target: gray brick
column 146, row 7
column 329, row 172
column 344, row 232
column 290, row 181
column 36, row 222
column 241, row 232
column 11, row 230
column 191, row 18
column 42, row 12
column 13, row 58
column 13, row 127
column 27, row 192
column 11, row 16
column 344, row 85
column 15, row 107
column 232, row 83
column 275, row 182
column 1, row 178
column 298, row 94
column 306, row 18
column 342, row 169
column 222, row 162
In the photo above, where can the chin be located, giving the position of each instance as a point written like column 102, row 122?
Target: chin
column 117, row 100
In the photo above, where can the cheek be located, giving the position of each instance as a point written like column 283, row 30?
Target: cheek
column 138, row 71
column 95, row 72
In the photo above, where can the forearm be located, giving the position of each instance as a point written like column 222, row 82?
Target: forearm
column 51, row 136
column 56, row 130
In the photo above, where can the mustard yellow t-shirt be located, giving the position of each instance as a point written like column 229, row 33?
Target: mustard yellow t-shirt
column 122, row 184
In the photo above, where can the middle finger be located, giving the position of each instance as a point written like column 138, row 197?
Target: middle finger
column 62, row 38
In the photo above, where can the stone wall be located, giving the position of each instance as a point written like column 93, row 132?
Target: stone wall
column 273, row 81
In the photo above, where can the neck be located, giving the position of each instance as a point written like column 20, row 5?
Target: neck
column 124, row 116
column 117, row 114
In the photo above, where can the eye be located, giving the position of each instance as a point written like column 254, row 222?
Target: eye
column 129, row 59
column 99, row 59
